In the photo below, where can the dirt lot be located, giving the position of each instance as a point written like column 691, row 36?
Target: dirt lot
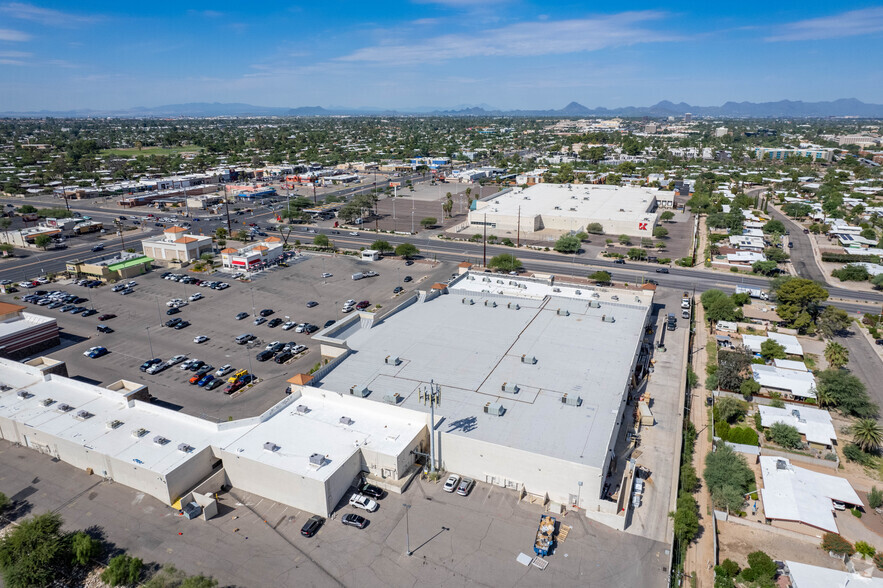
column 736, row 542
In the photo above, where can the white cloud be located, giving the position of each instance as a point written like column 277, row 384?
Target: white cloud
column 11, row 62
column 846, row 24
column 521, row 40
column 11, row 35
column 205, row 13
column 44, row 16
column 15, row 54
column 462, row 3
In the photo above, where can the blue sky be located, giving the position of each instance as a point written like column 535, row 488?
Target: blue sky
column 441, row 53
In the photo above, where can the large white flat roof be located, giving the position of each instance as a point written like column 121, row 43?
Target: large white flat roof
column 27, row 321
column 579, row 201
column 472, row 349
column 808, row 576
column 797, row 494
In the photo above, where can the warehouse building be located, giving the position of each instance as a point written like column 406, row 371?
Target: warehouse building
column 23, row 333
column 534, row 380
column 551, row 210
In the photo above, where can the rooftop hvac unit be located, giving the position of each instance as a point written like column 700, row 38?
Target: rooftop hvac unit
column 781, row 465
column 485, row 279
column 594, row 304
column 556, row 289
column 183, row 447
column 529, row 359
column 65, row 407
column 470, row 300
column 557, row 208
column 562, row 312
column 160, row 440
column 47, row 401
column 490, row 303
column 302, row 409
column 139, row 432
column 317, row 460
column 596, row 295
column 514, row 306
column 346, row 421
column 391, row 398
column 572, row 210
column 271, row 447
column 23, row 394
column 360, row 391
column 571, row 400
column 83, row 415
column 495, row 409
column 579, row 292
column 511, row 388
column 392, row 360
column 607, row 319
column 614, row 297
column 115, row 424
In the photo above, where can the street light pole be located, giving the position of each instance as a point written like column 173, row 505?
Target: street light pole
column 149, row 344
column 407, row 530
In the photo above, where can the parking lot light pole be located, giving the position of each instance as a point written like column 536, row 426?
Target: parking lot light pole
column 149, row 344
column 407, row 530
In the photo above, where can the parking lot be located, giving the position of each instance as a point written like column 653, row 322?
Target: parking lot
column 138, row 335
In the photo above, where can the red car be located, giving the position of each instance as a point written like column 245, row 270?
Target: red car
column 106, row 317
column 363, row 305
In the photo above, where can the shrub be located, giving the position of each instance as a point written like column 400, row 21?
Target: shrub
column 856, row 513
column 878, row 560
column 864, row 548
column 785, row 435
column 744, row 436
column 760, row 567
column 122, row 570
column 853, row 452
column 84, row 548
column 689, row 480
column 730, row 409
column 875, row 498
column 728, row 568
column 836, row 544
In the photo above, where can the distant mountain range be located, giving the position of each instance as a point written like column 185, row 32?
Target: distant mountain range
column 780, row 109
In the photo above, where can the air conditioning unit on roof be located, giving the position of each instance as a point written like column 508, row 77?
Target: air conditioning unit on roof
column 495, row 409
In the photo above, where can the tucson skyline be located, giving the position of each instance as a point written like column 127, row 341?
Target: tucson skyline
column 424, row 54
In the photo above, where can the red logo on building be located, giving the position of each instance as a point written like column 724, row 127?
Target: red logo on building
column 642, row 226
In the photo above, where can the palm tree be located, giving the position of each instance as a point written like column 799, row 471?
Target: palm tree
column 836, row 354
column 824, row 398
column 867, row 434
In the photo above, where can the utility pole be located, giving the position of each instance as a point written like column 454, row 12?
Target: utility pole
column 484, row 245
column 227, row 208
column 407, row 530
column 119, row 225
column 314, row 194
column 518, row 239
column 149, row 344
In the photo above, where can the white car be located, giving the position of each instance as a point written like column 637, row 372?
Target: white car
column 174, row 302
column 451, row 483
column 177, row 359
column 326, row 275
column 289, row 325
column 200, row 339
column 90, row 350
column 195, row 297
column 223, row 370
column 273, row 344
column 363, row 502
column 298, row 349
column 346, row 309
column 186, row 365
column 350, row 302
column 156, row 368
column 131, row 284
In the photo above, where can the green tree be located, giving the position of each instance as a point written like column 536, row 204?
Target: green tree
column 771, row 349
column 406, row 250
column 5, row 223
column 733, row 368
column 851, row 273
column 625, row 240
column 730, row 409
column 600, row 276
column 42, row 241
column 4, row 502
column 660, row 232
column 429, row 221
column 83, row 548
column 382, row 246
column 567, row 244
column 26, row 209
column 505, row 262
column 765, row 268
column 846, row 392
column 718, row 306
column 637, row 253
column 686, row 518
column 32, row 554
column 836, row 354
column 122, row 570
column 775, row 227
column 727, row 476
column 749, row 388
column 877, row 281
column 833, row 321
column 220, row 233
column 321, row 240
column 241, row 235
column 167, row 577
column 595, row 228
column 865, row 549
column 761, row 568
column 875, row 498
column 689, row 479
column 785, row 435
column 867, row 434
column 775, row 254
column 667, row 216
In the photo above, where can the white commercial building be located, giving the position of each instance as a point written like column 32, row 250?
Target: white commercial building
column 534, row 380
column 176, row 244
column 556, row 209
column 796, row 495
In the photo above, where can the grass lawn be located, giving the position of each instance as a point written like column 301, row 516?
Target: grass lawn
column 133, row 152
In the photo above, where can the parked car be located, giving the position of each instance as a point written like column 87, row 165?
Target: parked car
column 205, row 379
column 465, row 487
column 451, row 483
column 363, row 305
column 407, row 279
column 312, row 303
column 312, row 526
column 259, row 321
column 326, row 275
column 397, row 289
column 195, row 297
column 103, row 329
column 239, row 383
column 106, row 317
column 182, row 325
column 205, row 369
column 288, row 325
column 149, row 363
column 200, row 339
column 173, row 322
column 360, row 501
column 371, row 490
column 264, row 355
column 241, row 315
column 223, row 370
column 274, row 323
column 97, row 352
column 216, row 383
column 195, row 365
column 354, row 520
column 266, row 312
column 176, row 359
column 275, row 346
column 283, row 357
column 127, row 291
column 173, row 310
column 308, row 328
column 157, row 368
column 89, row 312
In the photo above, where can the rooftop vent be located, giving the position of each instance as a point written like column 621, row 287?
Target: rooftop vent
column 302, row 409
column 160, row 440
column 65, row 407
column 271, row 447
column 562, row 312
column 529, row 359
column 607, row 319
column 514, row 306
column 83, row 415
column 469, row 300
column 511, row 388
column 47, row 401
column 391, row 398
column 557, row 208
column 579, row 292
column 360, row 391
column 494, row 408
column 571, row 400
column 139, row 432
column 596, row 295
column 114, row 424
column 346, row 421
column 781, row 464
column 317, row 460
column 183, row 447
column 23, row 394
column 490, row 303
column 392, row 360
column 594, row 304
column 556, row 289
